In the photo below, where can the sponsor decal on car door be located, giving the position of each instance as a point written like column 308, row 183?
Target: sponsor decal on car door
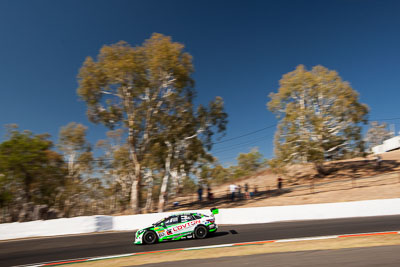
column 185, row 227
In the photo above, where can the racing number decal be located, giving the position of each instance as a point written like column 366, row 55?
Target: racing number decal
column 161, row 234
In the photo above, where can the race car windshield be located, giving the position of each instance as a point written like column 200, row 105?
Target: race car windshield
column 158, row 223
column 197, row 216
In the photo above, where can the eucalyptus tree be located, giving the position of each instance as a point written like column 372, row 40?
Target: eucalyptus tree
column 30, row 172
column 187, row 139
column 320, row 117
column 72, row 142
column 376, row 134
column 78, row 155
column 250, row 162
column 114, row 165
column 127, row 87
column 219, row 174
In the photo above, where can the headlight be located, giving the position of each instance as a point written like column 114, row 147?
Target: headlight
column 138, row 233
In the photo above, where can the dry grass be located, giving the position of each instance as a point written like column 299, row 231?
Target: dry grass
column 350, row 242
column 354, row 179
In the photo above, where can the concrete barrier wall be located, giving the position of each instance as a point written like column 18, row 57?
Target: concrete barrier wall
column 88, row 224
column 277, row 213
column 63, row 226
column 310, row 212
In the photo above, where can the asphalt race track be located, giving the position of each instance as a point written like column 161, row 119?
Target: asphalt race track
column 29, row 251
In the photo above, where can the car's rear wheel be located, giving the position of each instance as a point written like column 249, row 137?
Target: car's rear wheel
column 200, row 232
column 149, row 237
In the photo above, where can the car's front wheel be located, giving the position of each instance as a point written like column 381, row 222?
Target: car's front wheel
column 149, row 237
column 201, row 232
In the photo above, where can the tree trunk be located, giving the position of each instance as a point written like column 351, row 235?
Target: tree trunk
column 136, row 178
column 134, row 196
column 163, row 190
column 71, row 166
column 174, row 186
column 181, row 177
column 27, row 187
column 138, row 175
column 149, row 194
column 135, row 187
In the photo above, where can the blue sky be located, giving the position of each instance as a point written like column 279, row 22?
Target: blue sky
column 240, row 48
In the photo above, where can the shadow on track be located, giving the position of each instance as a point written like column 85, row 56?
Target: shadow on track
column 210, row 236
column 216, row 234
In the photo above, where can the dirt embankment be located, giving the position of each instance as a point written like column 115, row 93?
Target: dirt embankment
column 348, row 180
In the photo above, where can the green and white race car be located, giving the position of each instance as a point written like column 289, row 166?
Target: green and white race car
column 177, row 226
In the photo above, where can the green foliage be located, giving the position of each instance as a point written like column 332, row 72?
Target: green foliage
column 277, row 166
column 220, row 174
column 72, row 137
column 320, row 116
column 189, row 186
column 28, row 164
column 205, row 174
column 72, row 142
column 6, row 195
column 250, row 162
column 126, row 81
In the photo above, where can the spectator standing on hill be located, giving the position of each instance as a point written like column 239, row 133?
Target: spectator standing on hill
column 200, row 193
column 210, row 195
column 246, row 191
column 255, row 190
column 232, row 189
column 378, row 159
column 239, row 190
column 279, row 182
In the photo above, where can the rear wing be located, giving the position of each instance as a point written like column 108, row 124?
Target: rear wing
column 214, row 211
